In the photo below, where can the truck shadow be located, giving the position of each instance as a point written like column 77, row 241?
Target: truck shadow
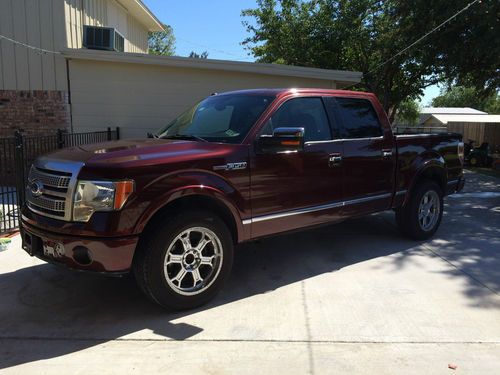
column 47, row 312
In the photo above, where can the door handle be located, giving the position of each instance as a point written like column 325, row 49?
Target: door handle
column 334, row 160
column 386, row 154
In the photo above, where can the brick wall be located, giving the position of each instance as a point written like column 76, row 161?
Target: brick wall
column 35, row 112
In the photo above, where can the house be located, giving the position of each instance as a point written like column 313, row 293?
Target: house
column 90, row 69
column 435, row 116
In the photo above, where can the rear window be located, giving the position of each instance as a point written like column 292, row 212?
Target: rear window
column 359, row 118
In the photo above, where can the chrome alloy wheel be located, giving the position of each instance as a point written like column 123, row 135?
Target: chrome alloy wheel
column 193, row 261
column 429, row 210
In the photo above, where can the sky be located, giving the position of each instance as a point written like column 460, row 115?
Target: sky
column 216, row 26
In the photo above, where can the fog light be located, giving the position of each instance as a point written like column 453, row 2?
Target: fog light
column 82, row 256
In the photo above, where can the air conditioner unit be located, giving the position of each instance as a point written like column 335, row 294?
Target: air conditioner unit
column 103, row 38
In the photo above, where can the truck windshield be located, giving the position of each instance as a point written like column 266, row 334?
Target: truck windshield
column 224, row 118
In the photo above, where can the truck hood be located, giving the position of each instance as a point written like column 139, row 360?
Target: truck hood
column 131, row 153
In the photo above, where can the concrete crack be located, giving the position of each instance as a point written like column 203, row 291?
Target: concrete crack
column 308, row 328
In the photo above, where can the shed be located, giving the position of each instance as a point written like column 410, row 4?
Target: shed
column 477, row 128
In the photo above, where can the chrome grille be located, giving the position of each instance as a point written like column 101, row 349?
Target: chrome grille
column 49, row 179
column 50, row 187
column 48, row 203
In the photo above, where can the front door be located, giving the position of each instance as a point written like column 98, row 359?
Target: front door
column 297, row 189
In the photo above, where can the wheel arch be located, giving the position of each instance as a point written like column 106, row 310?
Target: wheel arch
column 432, row 169
column 194, row 199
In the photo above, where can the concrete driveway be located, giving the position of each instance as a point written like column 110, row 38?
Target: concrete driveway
column 355, row 298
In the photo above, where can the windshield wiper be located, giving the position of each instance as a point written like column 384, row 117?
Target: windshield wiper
column 185, row 136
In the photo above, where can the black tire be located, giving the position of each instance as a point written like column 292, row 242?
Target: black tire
column 154, row 277
column 474, row 162
column 407, row 217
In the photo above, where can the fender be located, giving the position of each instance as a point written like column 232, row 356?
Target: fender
column 181, row 184
column 423, row 164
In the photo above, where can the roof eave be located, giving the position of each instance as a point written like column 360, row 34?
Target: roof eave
column 343, row 78
column 142, row 13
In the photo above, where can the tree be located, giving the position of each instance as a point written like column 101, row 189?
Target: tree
column 466, row 50
column 460, row 96
column 408, row 112
column 366, row 36
column 162, row 42
column 194, row 55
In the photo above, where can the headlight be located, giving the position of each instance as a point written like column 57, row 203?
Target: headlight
column 93, row 196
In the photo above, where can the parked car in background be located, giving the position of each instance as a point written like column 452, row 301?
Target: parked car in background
column 235, row 167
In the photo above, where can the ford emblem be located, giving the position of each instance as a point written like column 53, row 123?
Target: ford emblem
column 36, row 188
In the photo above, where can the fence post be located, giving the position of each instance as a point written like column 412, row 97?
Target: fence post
column 60, row 141
column 109, row 133
column 19, row 163
column 117, row 133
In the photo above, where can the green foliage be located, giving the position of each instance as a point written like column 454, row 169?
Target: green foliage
column 362, row 34
column 194, row 55
column 408, row 112
column 460, row 96
column 162, row 42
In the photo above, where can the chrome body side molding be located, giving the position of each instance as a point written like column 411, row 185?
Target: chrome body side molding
column 306, row 210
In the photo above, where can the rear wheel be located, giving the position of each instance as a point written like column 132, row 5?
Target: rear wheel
column 421, row 216
column 183, row 261
column 474, row 161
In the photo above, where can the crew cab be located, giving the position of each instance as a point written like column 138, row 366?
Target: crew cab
column 235, row 167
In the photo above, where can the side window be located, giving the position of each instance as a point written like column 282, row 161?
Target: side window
column 307, row 113
column 359, row 118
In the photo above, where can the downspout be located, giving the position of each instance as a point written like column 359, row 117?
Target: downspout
column 69, row 96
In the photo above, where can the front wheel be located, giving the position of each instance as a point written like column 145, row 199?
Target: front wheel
column 183, row 261
column 421, row 216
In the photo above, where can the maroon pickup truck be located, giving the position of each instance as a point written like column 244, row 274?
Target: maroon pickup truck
column 235, row 167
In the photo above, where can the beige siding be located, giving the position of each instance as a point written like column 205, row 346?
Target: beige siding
column 142, row 98
column 95, row 12
column 38, row 23
column 117, row 17
column 431, row 121
column 74, row 27
column 137, row 36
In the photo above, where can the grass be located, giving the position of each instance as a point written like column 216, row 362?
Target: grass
column 485, row 171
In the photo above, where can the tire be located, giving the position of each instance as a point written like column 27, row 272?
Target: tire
column 169, row 266
column 421, row 225
column 474, row 162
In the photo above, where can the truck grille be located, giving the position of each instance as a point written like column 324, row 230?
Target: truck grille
column 49, row 191
column 49, row 179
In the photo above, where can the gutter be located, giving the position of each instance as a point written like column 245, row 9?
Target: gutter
column 340, row 76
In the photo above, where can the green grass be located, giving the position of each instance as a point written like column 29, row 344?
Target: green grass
column 485, row 171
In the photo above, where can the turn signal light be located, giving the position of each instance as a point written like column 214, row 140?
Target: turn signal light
column 290, row 143
column 123, row 190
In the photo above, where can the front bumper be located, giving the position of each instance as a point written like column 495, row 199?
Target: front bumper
column 94, row 254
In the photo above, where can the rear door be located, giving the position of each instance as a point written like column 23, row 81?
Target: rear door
column 368, row 158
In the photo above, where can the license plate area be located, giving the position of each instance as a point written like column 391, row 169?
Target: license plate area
column 53, row 249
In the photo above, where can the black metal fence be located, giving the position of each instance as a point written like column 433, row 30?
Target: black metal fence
column 19, row 152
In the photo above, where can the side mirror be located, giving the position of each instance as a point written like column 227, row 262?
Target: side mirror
column 282, row 140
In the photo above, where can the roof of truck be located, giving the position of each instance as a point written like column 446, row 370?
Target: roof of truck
column 283, row 91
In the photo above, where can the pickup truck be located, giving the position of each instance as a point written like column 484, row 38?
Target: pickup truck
column 235, row 167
